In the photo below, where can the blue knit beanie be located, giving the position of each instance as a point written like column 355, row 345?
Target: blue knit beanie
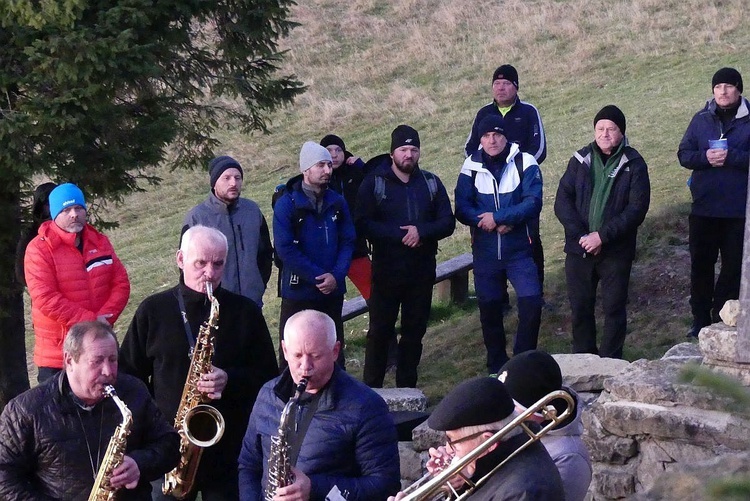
column 63, row 197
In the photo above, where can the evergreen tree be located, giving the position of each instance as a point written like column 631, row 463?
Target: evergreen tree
column 96, row 91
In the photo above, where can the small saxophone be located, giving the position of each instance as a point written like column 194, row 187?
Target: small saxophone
column 279, row 463
column 199, row 425
column 113, row 457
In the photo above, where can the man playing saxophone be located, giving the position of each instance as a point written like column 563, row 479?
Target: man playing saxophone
column 341, row 436
column 55, row 436
column 469, row 415
column 157, row 350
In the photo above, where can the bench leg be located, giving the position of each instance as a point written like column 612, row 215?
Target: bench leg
column 455, row 289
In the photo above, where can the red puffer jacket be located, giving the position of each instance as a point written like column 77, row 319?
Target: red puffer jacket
column 67, row 287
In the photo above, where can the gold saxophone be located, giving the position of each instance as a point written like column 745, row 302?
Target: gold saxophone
column 199, row 425
column 279, row 463
column 102, row 490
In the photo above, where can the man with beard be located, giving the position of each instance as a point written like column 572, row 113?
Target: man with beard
column 314, row 238
column 403, row 211
column 498, row 195
column 250, row 254
column 73, row 275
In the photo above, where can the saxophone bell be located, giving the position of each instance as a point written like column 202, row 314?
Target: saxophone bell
column 203, row 425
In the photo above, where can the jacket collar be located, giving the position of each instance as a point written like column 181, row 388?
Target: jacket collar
column 284, row 388
column 218, row 206
column 742, row 111
column 54, row 233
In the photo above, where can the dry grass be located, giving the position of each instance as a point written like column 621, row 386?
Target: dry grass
column 370, row 65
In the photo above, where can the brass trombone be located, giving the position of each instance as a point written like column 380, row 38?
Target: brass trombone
column 438, row 487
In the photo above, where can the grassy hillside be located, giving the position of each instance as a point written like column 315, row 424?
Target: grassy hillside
column 370, row 65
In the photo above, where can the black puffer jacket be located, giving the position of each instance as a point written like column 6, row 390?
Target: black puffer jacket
column 44, row 451
column 624, row 211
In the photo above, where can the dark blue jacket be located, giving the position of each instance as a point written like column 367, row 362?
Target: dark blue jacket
column 523, row 126
column 323, row 244
column 717, row 191
column 410, row 203
column 513, row 202
column 624, row 211
column 346, row 181
column 351, row 441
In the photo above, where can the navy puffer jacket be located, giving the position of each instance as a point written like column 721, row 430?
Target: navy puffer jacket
column 717, row 191
column 351, row 441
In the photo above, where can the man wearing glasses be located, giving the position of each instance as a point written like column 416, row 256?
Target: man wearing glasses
column 469, row 415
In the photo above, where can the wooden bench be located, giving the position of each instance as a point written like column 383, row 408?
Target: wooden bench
column 451, row 277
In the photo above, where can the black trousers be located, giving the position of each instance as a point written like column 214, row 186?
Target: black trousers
column 414, row 299
column 583, row 275
column 709, row 238
column 330, row 306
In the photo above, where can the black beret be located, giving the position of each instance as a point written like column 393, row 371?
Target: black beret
column 530, row 376
column 476, row 401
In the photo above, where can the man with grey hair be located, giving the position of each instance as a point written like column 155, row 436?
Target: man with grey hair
column 314, row 239
column 344, row 439
column 55, row 435
column 469, row 415
column 158, row 345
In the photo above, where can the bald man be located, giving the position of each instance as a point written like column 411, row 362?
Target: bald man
column 343, row 439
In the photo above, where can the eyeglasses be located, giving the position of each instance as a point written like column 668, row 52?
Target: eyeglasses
column 452, row 443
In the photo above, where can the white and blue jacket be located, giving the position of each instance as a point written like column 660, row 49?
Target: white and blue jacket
column 513, row 199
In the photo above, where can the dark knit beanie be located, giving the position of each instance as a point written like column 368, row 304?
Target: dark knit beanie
column 530, row 376
column 613, row 113
column 403, row 135
column 506, row 72
column 491, row 123
column 218, row 165
column 728, row 76
column 332, row 139
column 476, row 401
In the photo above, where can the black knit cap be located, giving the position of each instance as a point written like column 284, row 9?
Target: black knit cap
column 491, row 123
column 506, row 72
column 403, row 135
column 728, row 76
column 218, row 165
column 530, row 376
column 481, row 400
column 613, row 113
column 332, row 139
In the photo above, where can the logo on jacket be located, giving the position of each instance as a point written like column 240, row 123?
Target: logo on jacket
column 334, row 217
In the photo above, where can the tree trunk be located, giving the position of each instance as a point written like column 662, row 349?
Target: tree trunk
column 14, row 377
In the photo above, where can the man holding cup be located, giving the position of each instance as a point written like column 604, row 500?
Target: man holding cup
column 716, row 147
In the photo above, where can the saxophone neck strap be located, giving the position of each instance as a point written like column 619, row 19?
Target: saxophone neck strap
column 185, row 322
column 302, row 425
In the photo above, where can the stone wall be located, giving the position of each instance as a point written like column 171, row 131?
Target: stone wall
column 651, row 437
column 647, row 431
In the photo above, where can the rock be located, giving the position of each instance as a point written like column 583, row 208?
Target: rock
column 586, row 372
column 411, row 462
column 605, row 447
column 614, row 482
column 424, row 437
column 403, row 399
column 684, row 352
column 730, row 312
column 690, row 481
column 718, row 342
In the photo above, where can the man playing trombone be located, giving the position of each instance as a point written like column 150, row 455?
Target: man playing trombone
column 470, row 415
